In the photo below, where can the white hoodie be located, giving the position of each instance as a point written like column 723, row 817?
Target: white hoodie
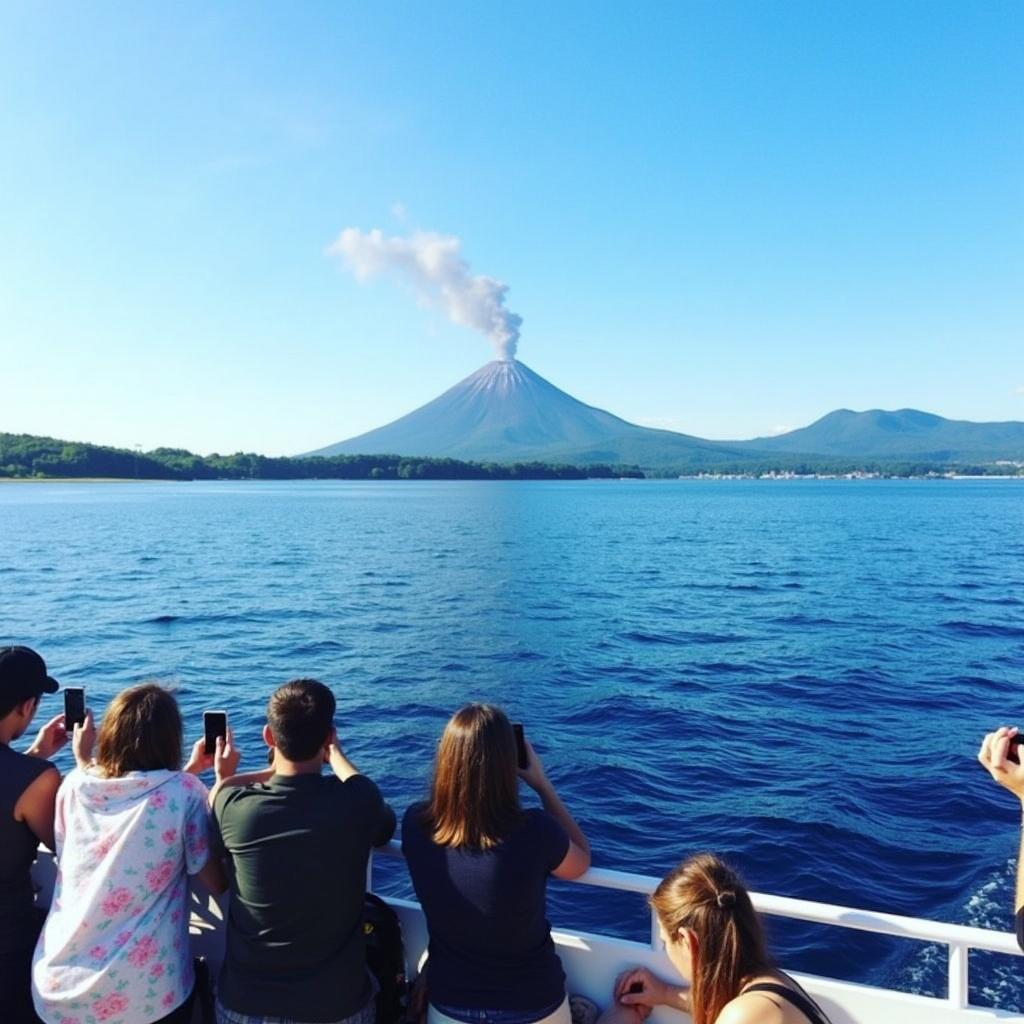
column 115, row 945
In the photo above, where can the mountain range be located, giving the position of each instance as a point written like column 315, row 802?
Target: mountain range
column 506, row 412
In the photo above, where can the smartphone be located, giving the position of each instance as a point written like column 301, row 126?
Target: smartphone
column 522, row 758
column 215, row 723
column 1013, row 752
column 74, row 707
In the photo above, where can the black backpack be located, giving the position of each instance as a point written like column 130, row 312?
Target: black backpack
column 385, row 957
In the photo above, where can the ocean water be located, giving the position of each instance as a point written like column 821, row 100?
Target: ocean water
column 796, row 674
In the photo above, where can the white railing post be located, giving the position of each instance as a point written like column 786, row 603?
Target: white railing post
column 959, row 986
column 655, row 932
column 369, row 872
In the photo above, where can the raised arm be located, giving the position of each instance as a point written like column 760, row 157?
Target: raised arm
column 224, row 762
column 338, row 760
column 344, row 769
column 994, row 756
column 50, row 739
column 577, row 860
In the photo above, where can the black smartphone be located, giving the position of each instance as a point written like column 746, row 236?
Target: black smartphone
column 215, row 723
column 74, row 707
column 1013, row 752
column 522, row 758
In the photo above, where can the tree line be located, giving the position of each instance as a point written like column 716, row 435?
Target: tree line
column 25, row 455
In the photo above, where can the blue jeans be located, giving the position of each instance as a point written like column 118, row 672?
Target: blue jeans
column 366, row 1015
column 472, row 1016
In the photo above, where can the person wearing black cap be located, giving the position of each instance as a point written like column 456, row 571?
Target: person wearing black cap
column 28, row 789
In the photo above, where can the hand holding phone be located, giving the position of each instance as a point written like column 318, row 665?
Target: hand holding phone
column 215, row 723
column 52, row 737
column 83, row 739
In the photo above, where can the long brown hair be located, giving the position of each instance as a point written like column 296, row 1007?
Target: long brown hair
column 140, row 732
column 708, row 897
column 474, row 798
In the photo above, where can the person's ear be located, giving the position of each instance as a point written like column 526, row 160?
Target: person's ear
column 268, row 736
column 27, row 708
column 689, row 936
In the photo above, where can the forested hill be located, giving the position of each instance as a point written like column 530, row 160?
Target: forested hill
column 24, row 455
column 901, row 434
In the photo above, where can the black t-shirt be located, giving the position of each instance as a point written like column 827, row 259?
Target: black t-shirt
column 18, row 844
column 490, row 942
column 1020, row 927
column 297, row 850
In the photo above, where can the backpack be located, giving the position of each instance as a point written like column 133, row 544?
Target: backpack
column 385, row 957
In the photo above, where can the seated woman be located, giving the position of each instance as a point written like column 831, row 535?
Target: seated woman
column 479, row 864
column 130, row 828
column 713, row 937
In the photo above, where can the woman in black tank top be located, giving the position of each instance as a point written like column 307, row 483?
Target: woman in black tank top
column 714, row 938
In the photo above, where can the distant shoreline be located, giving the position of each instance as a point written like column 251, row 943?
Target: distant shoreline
column 706, row 477
column 86, row 480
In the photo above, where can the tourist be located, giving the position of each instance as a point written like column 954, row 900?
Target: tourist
column 999, row 756
column 479, row 864
column 28, row 790
column 297, row 844
column 131, row 826
column 713, row 938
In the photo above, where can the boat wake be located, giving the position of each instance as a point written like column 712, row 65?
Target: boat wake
column 995, row 979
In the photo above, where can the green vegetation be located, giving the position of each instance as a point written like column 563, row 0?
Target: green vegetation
column 25, row 456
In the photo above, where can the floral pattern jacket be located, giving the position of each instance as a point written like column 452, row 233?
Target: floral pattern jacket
column 114, row 949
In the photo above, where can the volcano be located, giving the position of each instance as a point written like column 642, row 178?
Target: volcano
column 505, row 411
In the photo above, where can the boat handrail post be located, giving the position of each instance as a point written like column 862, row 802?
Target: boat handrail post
column 959, row 978
column 655, row 932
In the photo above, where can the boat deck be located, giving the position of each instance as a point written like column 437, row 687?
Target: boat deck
column 591, row 961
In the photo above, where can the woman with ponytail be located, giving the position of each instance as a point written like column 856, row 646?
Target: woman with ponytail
column 713, row 937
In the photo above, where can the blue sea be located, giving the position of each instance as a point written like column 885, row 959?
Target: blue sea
column 796, row 674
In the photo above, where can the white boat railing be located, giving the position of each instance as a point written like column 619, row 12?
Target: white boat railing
column 958, row 939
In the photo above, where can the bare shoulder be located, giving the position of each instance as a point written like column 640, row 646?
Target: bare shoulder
column 44, row 786
column 753, row 1008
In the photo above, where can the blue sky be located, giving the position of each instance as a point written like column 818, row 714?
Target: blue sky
column 725, row 218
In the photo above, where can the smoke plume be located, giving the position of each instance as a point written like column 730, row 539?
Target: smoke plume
column 434, row 265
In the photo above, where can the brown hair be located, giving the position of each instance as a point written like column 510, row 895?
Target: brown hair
column 474, row 799
column 301, row 715
column 140, row 732
column 708, row 897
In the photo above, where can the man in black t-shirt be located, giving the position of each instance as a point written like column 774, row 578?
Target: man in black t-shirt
column 28, row 789
column 1001, row 757
column 296, row 843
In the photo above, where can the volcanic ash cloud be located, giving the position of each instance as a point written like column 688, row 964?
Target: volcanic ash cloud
column 434, row 265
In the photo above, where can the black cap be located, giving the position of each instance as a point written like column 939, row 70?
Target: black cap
column 23, row 674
